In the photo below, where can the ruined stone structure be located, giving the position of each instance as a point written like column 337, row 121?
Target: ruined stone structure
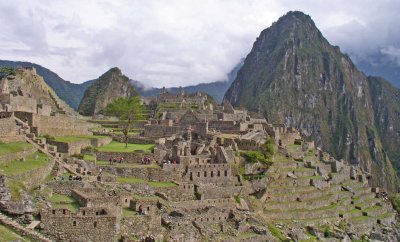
column 94, row 224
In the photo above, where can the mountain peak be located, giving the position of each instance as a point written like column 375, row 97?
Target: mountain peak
column 107, row 87
column 294, row 76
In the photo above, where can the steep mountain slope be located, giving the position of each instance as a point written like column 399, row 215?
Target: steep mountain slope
column 215, row 89
column 70, row 93
column 110, row 85
column 386, row 103
column 293, row 75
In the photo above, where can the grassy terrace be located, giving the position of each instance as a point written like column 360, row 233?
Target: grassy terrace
column 13, row 147
column 127, row 212
column 16, row 167
column 68, row 139
column 64, row 201
column 89, row 157
column 134, row 180
column 9, row 235
column 120, row 147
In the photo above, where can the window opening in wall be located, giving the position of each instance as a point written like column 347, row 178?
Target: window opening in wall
column 198, row 174
column 74, row 223
column 226, row 173
column 53, row 211
column 84, row 212
column 63, row 211
column 95, row 224
column 205, row 173
column 218, row 173
column 212, row 174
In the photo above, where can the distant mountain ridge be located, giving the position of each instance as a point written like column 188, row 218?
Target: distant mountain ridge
column 293, row 75
column 215, row 89
column 70, row 93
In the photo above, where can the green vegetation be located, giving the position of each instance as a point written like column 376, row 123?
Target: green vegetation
column 16, row 167
column 6, row 71
column 89, row 157
column 64, row 201
column 264, row 156
column 15, row 187
column 277, row 233
column 134, row 180
column 9, row 235
column 127, row 212
column 13, row 147
column 254, row 157
column 395, row 200
column 121, row 147
column 127, row 110
column 327, row 232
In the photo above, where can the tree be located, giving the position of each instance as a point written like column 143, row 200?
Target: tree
column 127, row 110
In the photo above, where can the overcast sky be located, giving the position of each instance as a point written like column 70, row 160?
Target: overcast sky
column 177, row 42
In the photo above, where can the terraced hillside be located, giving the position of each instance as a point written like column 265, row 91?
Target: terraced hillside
column 316, row 191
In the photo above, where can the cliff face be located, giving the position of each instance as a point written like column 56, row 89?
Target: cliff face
column 111, row 85
column 293, row 75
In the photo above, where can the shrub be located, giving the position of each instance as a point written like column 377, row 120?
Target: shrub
column 327, row 232
column 254, row 156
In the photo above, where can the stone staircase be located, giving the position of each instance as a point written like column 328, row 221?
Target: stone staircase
column 25, row 231
column 41, row 144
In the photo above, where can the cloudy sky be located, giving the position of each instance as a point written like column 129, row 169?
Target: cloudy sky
column 178, row 42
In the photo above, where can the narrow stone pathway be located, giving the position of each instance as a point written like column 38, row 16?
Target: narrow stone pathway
column 23, row 231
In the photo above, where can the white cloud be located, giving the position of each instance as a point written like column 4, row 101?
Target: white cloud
column 176, row 42
column 393, row 53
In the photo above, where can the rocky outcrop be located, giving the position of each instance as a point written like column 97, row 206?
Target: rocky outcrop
column 111, row 85
column 293, row 75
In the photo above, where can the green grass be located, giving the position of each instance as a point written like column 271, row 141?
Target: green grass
column 64, row 201
column 9, row 235
column 134, row 180
column 58, row 198
column 277, row 233
column 15, row 187
column 127, row 212
column 13, row 147
column 120, row 147
column 70, row 139
column 89, row 157
column 16, row 167
column 395, row 200
column 162, row 184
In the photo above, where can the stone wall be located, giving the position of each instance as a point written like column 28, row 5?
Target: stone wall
column 212, row 216
column 182, row 192
column 218, row 192
column 7, row 127
column 65, row 187
column 23, row 104
column 155, row 130
column 146, row 173
column 60, row 125
column 209, row 173
column 65, row 225
column 129, row 157
column 142, row 226
column 76, row 147
column 197, row 204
